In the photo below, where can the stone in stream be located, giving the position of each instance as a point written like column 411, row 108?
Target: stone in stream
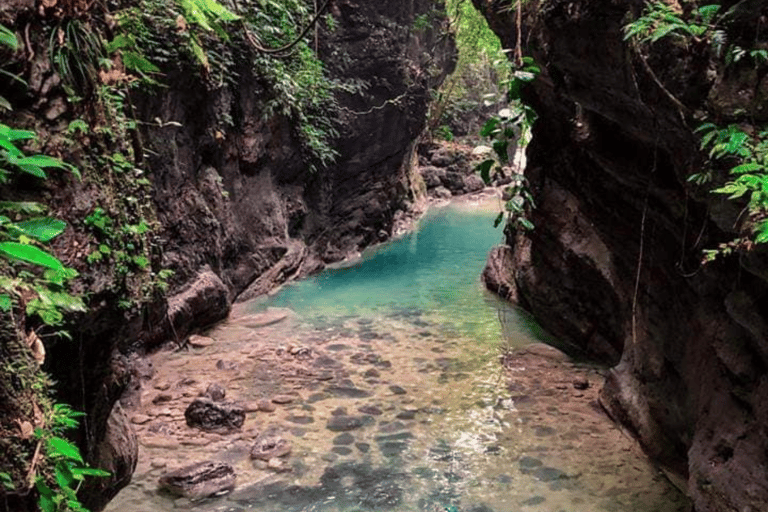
column 198, row 341
column 199, row 480
column 370, row 409
column 283, row 399
column 397, row 390
column 266, row 406
column 215, row 392
column 344, row 439
column 301, row 420
column 535, row 500
column 407, row 414
column 347, row 423
column 270, row 447
column 341, row 450
column 529, row 463
column 205, row 414
column 347, row 392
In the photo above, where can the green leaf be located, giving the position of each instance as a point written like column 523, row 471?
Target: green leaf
column 525, row 223
column 736, row 142
column 8, row 38
column 41, row 161
column 490, row 127
column 12, row 134
column 43, row 229
column 45, row 501
column 64, row 476
column 499, row 218
column 5, row 302
column 25, row 207
column 761, row 232
column 91, row 472
column 136, row 62
column 62, row 447
column 484, row 168
column 748, row 167
column 30, row 254
column 119, row 42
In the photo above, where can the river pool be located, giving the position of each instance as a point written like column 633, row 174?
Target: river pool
column 393, row 398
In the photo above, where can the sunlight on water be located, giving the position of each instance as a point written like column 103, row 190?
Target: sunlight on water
column 433, row 270
column 397, row 401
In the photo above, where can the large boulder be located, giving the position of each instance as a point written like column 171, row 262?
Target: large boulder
column 199, row 480
column 205, row 414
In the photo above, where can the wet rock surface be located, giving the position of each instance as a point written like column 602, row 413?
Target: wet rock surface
column 199, row 480
column 473, row 443
column 205, row 414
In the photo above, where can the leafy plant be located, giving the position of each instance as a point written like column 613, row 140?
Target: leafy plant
column 23, row 241
column 660, row 20
column 76, row 52
column 504, row 130
column 58, row 492
column 749, row 177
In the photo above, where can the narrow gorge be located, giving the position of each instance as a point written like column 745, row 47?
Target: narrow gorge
column 210, row 152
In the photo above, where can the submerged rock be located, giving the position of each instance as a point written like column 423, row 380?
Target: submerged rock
column 346, row 423
column 205, row 414
column 270, row 447
column 199, row 480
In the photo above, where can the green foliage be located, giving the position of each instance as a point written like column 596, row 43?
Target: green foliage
column 22, row 241
column 58, row 490
column 503, row 131
column 299, row 85
column 76, row 52
column 748, row 177
column 481, row 66
column 659, row 20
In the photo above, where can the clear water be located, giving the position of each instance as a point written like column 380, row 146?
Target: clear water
column 433, row 270
column 405, row 342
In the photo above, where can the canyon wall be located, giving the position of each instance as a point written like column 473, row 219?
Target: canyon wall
column 237, row 210
column 614, row 264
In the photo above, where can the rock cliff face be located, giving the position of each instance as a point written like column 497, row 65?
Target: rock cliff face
column 614, row 262
column 238, row 211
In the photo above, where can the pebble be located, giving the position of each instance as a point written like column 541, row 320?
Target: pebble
column 344, row 439
column 278, row 465
column 580, row 383
column 140, row 419
column 397, row 390
column 161, row 398
column 198, row 341
column 266, row 406
column 370, row 409
column 282, row 399
column 162, row 385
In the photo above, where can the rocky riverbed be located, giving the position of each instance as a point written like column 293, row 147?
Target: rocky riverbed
column 388, row 412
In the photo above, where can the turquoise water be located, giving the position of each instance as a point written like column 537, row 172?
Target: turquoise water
column 434, row 271
column 396, row 398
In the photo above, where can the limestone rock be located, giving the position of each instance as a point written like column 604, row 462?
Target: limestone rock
column 199, row 480
column 270, row 447
column 205, row 414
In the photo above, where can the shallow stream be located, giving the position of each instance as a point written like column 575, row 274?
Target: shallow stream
column 392, row 397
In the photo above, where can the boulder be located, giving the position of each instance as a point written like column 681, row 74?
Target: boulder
column 215, row 392
column 270, row 447
column 205, row 414
column 497, row 274
column 433, row 176
column 199, row 480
